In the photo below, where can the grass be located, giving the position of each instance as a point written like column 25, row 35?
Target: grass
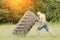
column 7, row 29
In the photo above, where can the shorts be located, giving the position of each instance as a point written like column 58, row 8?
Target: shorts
column 43, row 25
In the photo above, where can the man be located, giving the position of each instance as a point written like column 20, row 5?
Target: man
column 42, row 19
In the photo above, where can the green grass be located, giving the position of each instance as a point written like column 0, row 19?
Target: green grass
column 7, row 29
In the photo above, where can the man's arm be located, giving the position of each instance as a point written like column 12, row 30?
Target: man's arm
column 38, row 19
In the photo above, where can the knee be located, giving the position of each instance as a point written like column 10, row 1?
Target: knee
column 38, row 28
column 47, row 29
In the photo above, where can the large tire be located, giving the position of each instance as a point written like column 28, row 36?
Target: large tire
column 25, row 24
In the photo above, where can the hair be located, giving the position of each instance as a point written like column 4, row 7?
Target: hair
column 38, row 12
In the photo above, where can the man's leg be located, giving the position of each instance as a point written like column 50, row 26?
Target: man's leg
column 38, row 30
column 47, row 29
column 51, row 32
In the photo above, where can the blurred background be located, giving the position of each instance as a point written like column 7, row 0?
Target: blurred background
column 12, row 10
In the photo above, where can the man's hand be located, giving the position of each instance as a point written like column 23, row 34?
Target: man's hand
column 37, row 19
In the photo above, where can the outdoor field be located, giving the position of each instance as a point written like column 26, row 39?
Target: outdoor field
column 7, row 29
column 18, row 16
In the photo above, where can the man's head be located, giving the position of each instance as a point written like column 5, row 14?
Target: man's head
column 39, row 13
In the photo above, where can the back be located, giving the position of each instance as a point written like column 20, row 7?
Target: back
column 42, row 18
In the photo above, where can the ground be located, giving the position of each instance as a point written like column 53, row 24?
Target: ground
column 7, row 29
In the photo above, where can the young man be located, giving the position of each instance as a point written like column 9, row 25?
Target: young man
column 42, row 19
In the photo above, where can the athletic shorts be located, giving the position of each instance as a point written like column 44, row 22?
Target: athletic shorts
column 43, row 25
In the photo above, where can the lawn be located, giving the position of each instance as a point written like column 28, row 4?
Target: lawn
column 7, row 29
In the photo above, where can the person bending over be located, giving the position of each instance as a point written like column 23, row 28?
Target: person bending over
column 42, row 19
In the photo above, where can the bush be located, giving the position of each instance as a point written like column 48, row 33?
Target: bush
column 6, row 16
column 51, row 8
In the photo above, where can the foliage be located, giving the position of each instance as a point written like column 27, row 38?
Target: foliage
column 6, row 16
column 3, row 15
column 51, row 8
